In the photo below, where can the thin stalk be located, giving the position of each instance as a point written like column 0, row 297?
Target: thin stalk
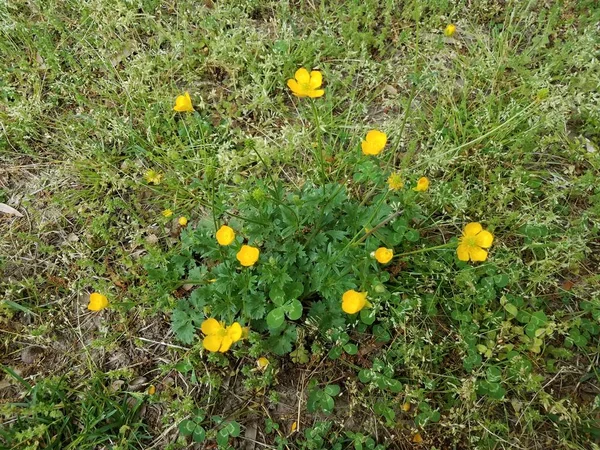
column 319, row 141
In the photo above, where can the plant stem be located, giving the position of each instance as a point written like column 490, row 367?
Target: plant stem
column 426, row 249
column 319, row 141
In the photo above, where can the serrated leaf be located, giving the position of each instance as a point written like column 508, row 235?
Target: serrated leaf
column 182, row 326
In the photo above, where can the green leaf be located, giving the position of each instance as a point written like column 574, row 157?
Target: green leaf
column 294, row 310
column 182, row 326
column 332, row 389
column 276, row 318
column 365, row 375
column 501, row 280
column 351, row 349
column 222, row 438
column 187, row 427
column 232, row 429
column 199, row 434
column 335, row 352
column 327, row 405
column 511, row 309
column 367, row 316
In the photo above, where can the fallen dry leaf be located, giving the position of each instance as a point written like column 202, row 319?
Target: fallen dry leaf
column 9, row 210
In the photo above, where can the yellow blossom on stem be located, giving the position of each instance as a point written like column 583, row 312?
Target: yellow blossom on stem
column 384, row 255
column 219, row 338
column 182, row 221
column 97, row 302
column 353, row 301
column 395, row 182
column 306, row 84
column 374, row 142
column 450, row 30
column 167, row 213
column 153, row 176
column 473, row 242
column 225, row 235
column 183, row 103
column 422, row 184
column 248, row 255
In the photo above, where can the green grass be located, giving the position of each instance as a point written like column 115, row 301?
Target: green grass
column 503, row 118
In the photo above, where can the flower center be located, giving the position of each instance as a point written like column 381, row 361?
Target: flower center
column 470, row 241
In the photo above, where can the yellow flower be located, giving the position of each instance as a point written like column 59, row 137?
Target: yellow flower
column 384, row 255
column 97, row 302
column 353, row 302
column 225, row 235
column 450, row 30
column 217, row 337
column 182, row 221
column 151, row 390
column 248, row 255
column 306, row 84
column 183, row 103
column 395, row 182
column 152, row 176
column 473, row 242
column 422, row 184
column 262, row 363
column 406, row 407
column 374, row 142
column 167, row 213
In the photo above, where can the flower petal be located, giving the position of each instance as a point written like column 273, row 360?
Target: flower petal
column 316, row 93
column 353, row 302
column 471, row 229
column 97, row 302
column 226, row 344
column 316, row 79
column 484, row 239
column 477, row 254
column 462, row 251
column 295, row 88
column 212, row 343
column 234, row 331
column 211, row 326
column 302, row 76
column 368, row 148
column 378, row 138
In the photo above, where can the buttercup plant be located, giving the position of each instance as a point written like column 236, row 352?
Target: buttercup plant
column 310, row 254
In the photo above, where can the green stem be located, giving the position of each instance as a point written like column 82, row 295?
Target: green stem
column 319, row 141
column 426, row 249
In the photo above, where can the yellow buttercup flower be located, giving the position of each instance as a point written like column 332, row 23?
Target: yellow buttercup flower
column 219, row 338
column 151, row 390
column 97, row 302
column 183, row 103
column 167, row 213
column 153, row 176
column 473, row 242
column 422, row 184
column 353, row 302
column 225, row 235
column 374, row 142
column 395, row 182
column 248, row 255
column 384, row 255
column 450, row 30
column 182, row 221
column 306, row 84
